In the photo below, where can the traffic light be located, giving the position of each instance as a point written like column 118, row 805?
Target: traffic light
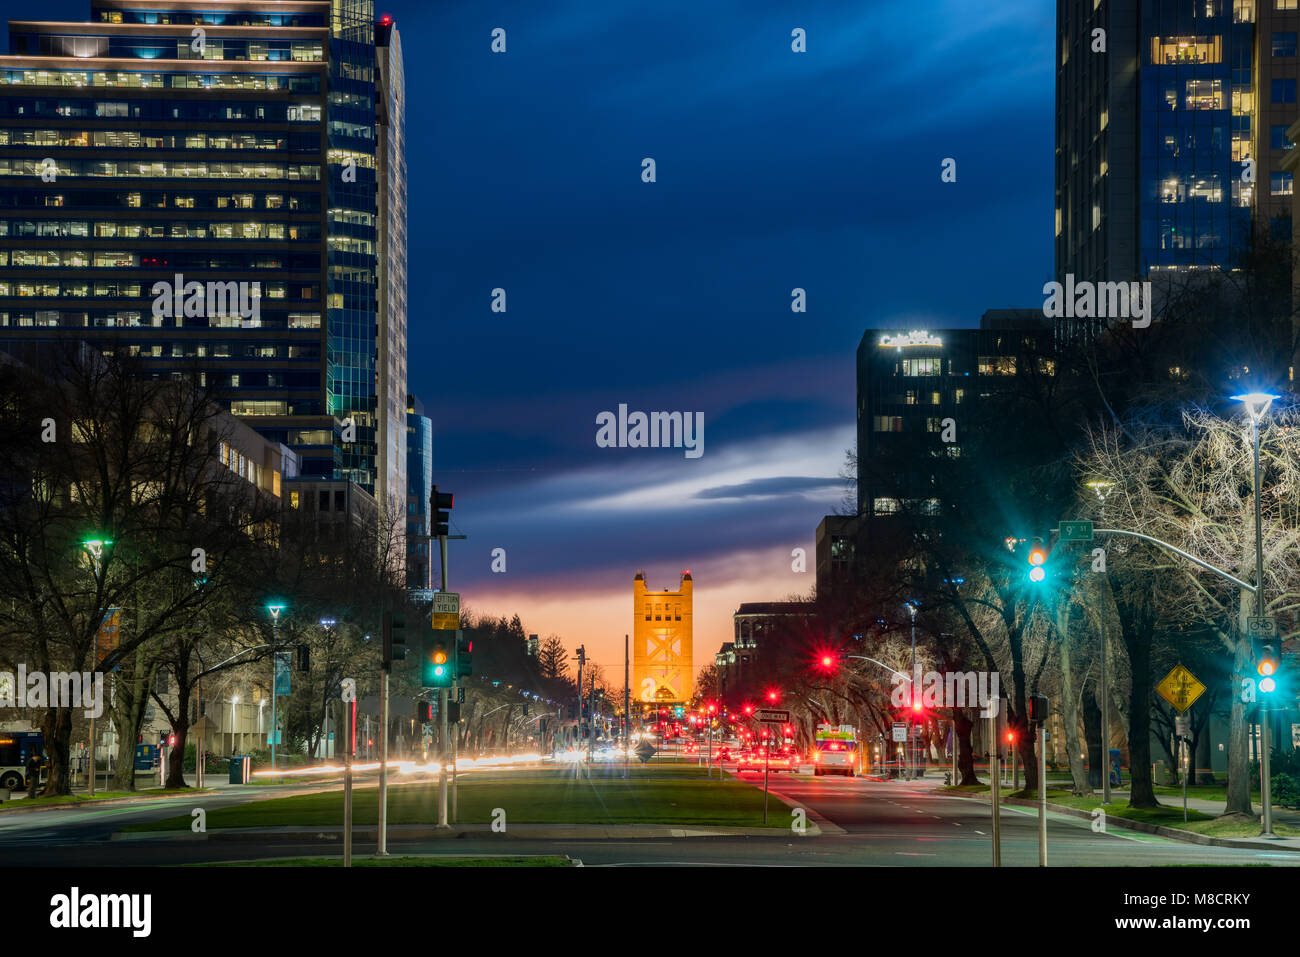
column 1267, row 665
column 394, row 628
column 464, row 656
column 436, row 665
column 453, row 712
column 423, row 711
column 1038, row 709
column 1037, row 561
column 441, row 503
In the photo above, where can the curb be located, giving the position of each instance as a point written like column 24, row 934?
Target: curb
column 1161, row 830
column 107, row 802
column 431, row 832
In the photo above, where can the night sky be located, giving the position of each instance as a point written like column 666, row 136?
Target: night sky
column 775, row 170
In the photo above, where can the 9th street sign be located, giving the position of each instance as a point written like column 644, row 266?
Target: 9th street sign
column 1075, row 531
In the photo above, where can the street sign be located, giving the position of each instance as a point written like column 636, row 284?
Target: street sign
column 446, row 610
column 1075, row 531
column 1261, row 627
column 1180, row 688
column 645, row 751
column 1182, row 727
column 769, row 716
column 900, row 731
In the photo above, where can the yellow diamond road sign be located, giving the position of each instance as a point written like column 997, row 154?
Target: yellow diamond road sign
column 1180, row 688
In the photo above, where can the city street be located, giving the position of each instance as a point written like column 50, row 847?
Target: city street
column 872, row 823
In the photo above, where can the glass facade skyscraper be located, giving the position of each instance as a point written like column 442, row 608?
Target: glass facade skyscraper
column 1169, row 139
column 167, row 147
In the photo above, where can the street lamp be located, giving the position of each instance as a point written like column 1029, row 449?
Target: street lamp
column 1257, row 404
column 96, row 548
column 234, row 700
column 274, row 608
column 1102, row 488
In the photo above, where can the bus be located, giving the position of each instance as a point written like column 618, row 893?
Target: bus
column 15, row 747
column 835, row 749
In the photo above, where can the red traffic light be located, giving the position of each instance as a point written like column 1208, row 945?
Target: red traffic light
column 773, row 695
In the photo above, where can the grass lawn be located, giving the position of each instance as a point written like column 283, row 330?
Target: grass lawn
column 401, row 862
column 100, row 796
column 668, row 795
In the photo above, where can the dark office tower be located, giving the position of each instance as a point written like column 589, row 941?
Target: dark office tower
column 194, row 183
column 1154, row 133
column 1096, row 140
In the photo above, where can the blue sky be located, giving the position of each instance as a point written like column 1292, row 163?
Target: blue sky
column 775, row 170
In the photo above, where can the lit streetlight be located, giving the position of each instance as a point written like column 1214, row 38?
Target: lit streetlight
column 274, row 608
column 1257, row 404
column 1102, row 488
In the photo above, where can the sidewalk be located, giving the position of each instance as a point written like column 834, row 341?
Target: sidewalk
column 1280, row 816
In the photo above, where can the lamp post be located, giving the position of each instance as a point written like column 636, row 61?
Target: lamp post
column 1257, row 404
column 275, row 610
column 1102, row 488
column 234, row 701
column 96, row 548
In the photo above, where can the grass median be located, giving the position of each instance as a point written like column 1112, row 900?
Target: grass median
column 667, row 795
column 422, row 861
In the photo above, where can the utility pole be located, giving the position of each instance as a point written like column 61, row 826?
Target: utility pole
column 348, row 745
column 582, row 660
column 627, row 711
column 911, row 744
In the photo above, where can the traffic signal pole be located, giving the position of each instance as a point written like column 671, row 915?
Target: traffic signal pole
column 442, row 709
column 995, row 783
column 1042, row 794
column 383, row 762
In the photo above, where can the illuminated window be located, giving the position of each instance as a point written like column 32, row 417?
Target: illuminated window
column 997, row 365
column 1182, row 50
column 1205, row 94
column 884, row 506
column 932, row 366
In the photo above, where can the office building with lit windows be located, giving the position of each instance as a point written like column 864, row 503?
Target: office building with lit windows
column 1155, row 133
column 165, row 150
column 909, row 383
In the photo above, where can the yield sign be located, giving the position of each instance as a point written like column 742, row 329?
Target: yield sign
column 1180, row 688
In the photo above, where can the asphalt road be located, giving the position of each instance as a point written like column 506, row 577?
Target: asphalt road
column 875, row 824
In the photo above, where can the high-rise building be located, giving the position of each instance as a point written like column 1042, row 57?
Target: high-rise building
column 218, row 187
column 918, row 390
column 419, row 477
column 1172, row 120
column 390, row 159
column 661, row 642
